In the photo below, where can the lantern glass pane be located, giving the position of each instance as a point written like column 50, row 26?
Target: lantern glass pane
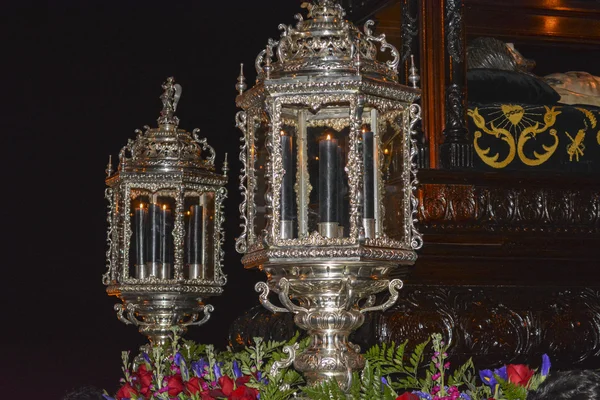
column 151, row 252
column 259, row 156
column 327, row 156
column 288, row 204
column 392, row 152
column 198, row 257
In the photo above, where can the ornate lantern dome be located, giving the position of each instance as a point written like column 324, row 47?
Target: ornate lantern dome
column 326, row 43
column 165, row 226
column 320, row 215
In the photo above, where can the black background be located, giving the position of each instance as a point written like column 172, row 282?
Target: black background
column 79, row 77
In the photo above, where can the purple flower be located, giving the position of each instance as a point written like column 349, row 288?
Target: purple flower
column 545, row 364
column 383, row 380
column 465, row 396
column 107, row 397
column 217, row 371
column 501, row 372
column 261, row 379
column 146, row 357
column 178, row 358
column 435, row 377
column 487, row 377
column 423, row 395
column 236, row 370
column 199, row 368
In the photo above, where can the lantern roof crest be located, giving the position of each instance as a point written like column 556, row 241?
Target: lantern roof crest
column 326, row 44
column 167, row 148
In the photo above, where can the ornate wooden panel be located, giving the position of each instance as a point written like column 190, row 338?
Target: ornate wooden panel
column 509, row 271
column 493, row 325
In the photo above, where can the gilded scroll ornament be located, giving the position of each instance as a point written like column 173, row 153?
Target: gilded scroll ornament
column 516, row 125
column 499, row 133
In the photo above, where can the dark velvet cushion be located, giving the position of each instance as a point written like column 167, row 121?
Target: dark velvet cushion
column 499, row 86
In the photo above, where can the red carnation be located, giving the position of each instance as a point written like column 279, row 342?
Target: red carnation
column 175, row 385
column 244, row 393
column 126, row 392
column 226, row 384
column 194, row 385
column 519, row 374
column 407, row 396
column 145, row 380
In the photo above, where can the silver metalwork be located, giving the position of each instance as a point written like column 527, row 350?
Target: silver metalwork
column 323, row 76
column 168, row 166
column 413, row 75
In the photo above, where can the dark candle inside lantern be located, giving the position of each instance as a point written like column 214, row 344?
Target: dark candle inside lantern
column 194, row 235
column 166, row 236
column 328, row 193
column 139, row 226
column 368, row 177
column 340, row 185
column 287, row 184
column 153, row 239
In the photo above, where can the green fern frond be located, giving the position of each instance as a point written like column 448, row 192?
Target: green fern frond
column 459, row 377
column 510, row 391
column 328, row 390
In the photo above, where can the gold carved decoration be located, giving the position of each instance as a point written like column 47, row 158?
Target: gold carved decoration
column 593, row 122
column 512, row 121
column 499, row 133
column 576, row 147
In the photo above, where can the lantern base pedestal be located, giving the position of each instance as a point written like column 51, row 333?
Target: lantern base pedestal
column 330, row 354
column 329, row 302
column 155, row 314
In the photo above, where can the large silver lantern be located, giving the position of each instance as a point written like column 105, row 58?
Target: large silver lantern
column 165, row 226
column 319, row 215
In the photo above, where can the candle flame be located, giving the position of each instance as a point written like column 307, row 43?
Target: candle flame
column 282, row 133
column 386, row 151
column 328, row 137
column 141, row 206
column 164, row 206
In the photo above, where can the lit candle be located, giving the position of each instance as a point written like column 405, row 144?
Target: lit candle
column 166, row 236
column 340, row 185
column 153, row 239
column 328, row 194
column 287, row 184
column 368, row 176
column 194, row 236
column 139, row 225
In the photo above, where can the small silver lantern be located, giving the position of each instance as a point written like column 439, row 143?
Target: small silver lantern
column 165, row 219
column 320, row 217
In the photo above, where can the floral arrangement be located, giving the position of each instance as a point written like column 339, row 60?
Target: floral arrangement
column 186, row 370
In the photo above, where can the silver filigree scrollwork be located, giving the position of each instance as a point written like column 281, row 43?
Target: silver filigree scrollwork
column 205, row 146
column 392, row 64
column 284, row 297
column 121, row 309
column 207, row 309
column 416, row 237
column 393, row 287
column 263, row 289
column 261, row 58
column 290, row 350
column 110, row 257
column 220, row 277
column 241, row 242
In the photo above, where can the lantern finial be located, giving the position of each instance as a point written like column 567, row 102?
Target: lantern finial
column 413, row 76
column 241, row 84
column 109, row 167
column 169, row 98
